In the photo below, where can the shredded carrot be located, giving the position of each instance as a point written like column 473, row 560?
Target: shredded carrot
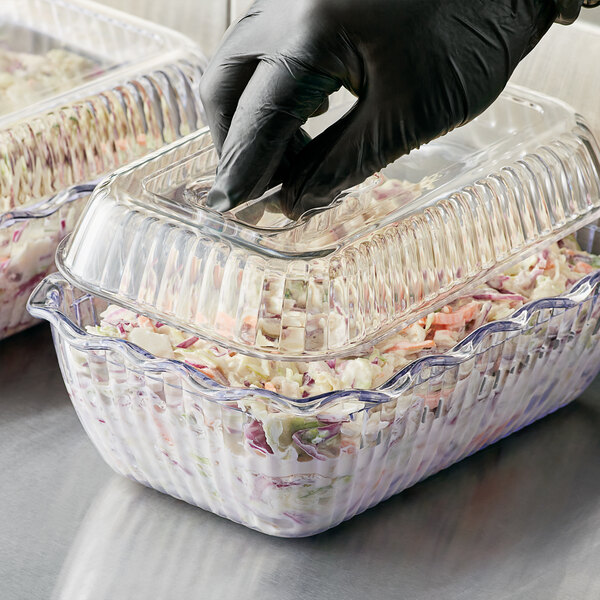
column 411, row 346
column 457, row 319
column 453, row 327
column 145, row 322
column 583, row 267
column 461, row 316
column 432, row 402
column 250, row 320
column 218, row 275
column 201, row 319
column 270, row 387
column 208, row 373
column 376, row 484
column 225, row 323
column 162, row 431
column 448, row 319
column 469, row 311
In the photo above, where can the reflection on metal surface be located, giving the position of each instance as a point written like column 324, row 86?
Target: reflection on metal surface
column 521, row 518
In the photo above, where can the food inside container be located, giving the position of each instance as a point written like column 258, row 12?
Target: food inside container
column 34, row 66
column 82, row 91
column 549, row 273
column 158, row 322
column 27, row 249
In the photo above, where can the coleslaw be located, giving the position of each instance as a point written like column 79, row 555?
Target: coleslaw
column 24, row 75
column 27, row 250
column 548, row 273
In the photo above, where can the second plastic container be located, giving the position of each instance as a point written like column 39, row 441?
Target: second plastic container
column 84, row 90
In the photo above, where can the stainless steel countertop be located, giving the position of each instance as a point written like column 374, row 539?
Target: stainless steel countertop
column 520, row 519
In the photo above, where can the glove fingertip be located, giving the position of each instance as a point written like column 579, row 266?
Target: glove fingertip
column 297, row 198
column 218, row 199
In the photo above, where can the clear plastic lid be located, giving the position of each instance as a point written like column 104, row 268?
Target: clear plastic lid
column 83, row 90
column 400, row 245
column 59, row 49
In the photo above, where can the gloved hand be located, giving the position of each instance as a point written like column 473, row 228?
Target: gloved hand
column 418, row 67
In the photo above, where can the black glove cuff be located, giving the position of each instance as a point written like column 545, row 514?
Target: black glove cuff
column 568, row 11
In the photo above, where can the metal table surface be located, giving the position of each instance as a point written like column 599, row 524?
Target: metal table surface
column 520, row 519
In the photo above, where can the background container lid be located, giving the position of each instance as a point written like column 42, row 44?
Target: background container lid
column 400, row 245
column 83, row 90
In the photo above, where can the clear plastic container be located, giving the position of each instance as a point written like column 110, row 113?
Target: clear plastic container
column 84, row 90
column 523, row 174
column 163, row 424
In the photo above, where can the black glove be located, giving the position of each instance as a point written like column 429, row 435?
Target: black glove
column 568, row 10
column 418, row 67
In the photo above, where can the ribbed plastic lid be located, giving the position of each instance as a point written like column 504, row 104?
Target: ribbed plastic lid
column 83, row 90
column 402, row 244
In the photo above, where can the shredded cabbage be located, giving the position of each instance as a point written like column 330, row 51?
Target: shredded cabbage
column 550, row 272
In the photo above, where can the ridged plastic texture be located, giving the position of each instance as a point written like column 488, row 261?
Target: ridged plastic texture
column 142, row 95
column 485, row 196
column 163, row 424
